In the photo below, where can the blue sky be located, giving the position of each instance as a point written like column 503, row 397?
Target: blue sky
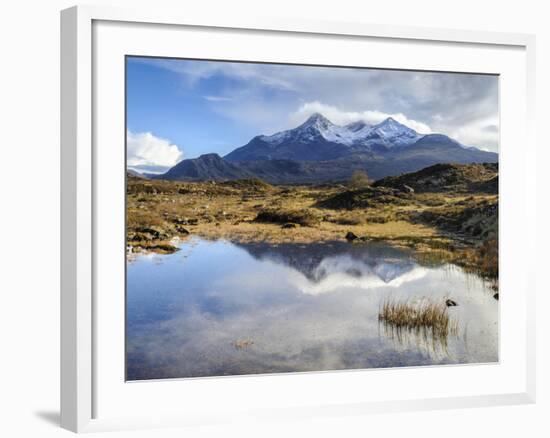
column 180, row 109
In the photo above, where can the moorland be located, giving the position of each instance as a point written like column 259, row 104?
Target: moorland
column 443, row 212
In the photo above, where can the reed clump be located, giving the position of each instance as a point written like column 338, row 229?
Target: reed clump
column 424, row 315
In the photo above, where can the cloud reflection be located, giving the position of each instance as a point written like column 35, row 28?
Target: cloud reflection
column 307, row 308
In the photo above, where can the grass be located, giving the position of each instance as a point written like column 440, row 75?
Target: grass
column 425, row 315
column 443, row 226
column 483, row 259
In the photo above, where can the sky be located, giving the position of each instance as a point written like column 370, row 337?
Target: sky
column 179, row 109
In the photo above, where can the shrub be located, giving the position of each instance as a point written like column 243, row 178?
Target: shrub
column 359, row 179
column 306, row 218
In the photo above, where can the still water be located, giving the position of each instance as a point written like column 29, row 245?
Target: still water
column 220, row 308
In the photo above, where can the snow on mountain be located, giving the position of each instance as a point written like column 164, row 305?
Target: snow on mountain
column 318, row 139
column 315, row 127
column 393, row 133
column 357, row 126
column 389, row 133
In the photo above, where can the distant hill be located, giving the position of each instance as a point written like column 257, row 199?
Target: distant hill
column 444, row 177
column 206, row 167
column 134, row 174
column 319, row 151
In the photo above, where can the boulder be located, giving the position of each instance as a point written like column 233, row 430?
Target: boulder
column 450, row 303
column 350, row 236
column 156, row 234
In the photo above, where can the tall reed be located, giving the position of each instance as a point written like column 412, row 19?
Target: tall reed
column 424, row 315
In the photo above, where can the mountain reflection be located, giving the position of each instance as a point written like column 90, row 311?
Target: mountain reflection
column 220, row 308
column 336, row 265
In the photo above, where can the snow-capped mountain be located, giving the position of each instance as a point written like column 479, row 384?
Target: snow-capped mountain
column 319, row 127
column 319, row 150
column 309, row 141
column 391, row 133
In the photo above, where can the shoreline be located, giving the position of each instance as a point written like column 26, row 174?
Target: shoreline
column 455, row 226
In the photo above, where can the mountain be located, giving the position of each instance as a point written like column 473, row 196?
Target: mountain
column 315, row 140
column 318, row 139
column 206, row 167
column 320, row 151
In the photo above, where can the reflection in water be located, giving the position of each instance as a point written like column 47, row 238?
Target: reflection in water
column 218, row 308
column 423, row 338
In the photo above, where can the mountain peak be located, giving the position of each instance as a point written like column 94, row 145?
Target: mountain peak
column 317, row 119
column 392, row 127
column 316, row 116
column 390, row 121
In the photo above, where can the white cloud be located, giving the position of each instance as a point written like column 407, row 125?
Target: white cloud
column 482, row 133
column 146, row 151
column 217, row 98
column 264, row 74
column 341, row 117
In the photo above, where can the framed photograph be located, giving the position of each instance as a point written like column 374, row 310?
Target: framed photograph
column 282, row 219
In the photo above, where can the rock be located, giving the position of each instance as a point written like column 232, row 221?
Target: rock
column 163, row 248
column 407, row 188
column 182, row 230
column 288, row 225
column 192, row 221
column 141, row 237
column 450, row 303
column 350, row 237
column 495, row 296
column 155, row 233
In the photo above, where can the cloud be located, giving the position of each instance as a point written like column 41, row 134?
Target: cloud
column 146, row 152
column 194, row 71
column 263, row 95
column 482, row 133
column 217, row 98
column 341, row 117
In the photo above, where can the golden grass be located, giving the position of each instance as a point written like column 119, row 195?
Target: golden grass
column 230, row 211
column 426, row 314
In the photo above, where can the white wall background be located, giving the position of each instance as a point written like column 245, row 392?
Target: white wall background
column 29, row 215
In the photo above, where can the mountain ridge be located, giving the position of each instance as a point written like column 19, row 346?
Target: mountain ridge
column 319, row 151
column 319, row 139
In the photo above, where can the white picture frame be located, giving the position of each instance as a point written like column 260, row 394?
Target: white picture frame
column 80, row 196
